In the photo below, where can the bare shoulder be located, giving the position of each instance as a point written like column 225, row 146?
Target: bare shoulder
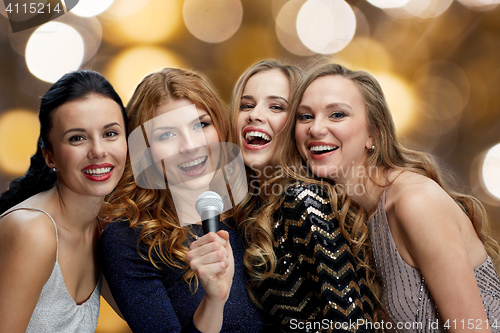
column 22, row 227
column 417, row 200
column 410, row 189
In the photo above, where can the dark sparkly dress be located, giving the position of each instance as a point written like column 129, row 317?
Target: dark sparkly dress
column 316, row 286
column 158, row 300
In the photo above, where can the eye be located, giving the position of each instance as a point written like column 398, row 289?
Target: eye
column 277, row 108
column 76, row 138
column 338, row 115
column 165, row 136
column 304, row 116
column 111, row 134
column 201, row 124
column 246, row 107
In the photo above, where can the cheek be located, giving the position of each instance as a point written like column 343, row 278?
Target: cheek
column 162, row 151
column 300, row 135
column 211, row 135
column 277, row 121
column 240, row 123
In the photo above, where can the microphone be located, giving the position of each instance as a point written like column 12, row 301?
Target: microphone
column 209, row 206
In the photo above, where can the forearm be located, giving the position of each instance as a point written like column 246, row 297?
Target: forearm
column 208, row 316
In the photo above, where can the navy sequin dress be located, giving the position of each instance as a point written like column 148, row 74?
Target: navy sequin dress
column 158, row 300
column 316, row 286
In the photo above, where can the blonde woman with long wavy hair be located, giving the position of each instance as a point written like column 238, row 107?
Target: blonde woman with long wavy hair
column 430, row 249
column 166, row 276
column 304, row 275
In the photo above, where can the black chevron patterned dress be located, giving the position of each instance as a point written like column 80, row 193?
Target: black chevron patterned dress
column 316, row 286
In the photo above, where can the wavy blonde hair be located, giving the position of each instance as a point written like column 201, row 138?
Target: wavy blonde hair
column 254, row 219
column 153, row 210
column 388, row 154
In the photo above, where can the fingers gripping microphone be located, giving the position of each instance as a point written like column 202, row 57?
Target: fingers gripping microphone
column 209, row 206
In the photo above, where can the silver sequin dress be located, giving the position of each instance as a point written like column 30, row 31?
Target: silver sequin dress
column 56, row 311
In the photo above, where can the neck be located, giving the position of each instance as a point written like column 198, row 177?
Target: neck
column 364, row 189
column 76, row 211
column 185, row 204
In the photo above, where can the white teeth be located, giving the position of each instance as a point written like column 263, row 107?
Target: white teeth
column 322, row 148
column 192, row 163
column 255, row 134
column 98, row 171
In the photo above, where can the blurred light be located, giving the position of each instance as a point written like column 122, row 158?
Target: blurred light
column 90, row 30
column 156, row 22
column 276, row 6
column 480, row 5
column 213, row 21
column 326, row 26
column 54, row 49
column 427, row 8
column 19, row 130
column 286, row 28
column 367, row 53
column 388, row 3
column 362, row 25
column 490, row 171
column 89, row 8
column 445, row 88
column 123, row 8
column 235, row 55
column 400, row 97
column 128, row 69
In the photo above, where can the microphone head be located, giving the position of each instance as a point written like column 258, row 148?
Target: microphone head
column 209, row 200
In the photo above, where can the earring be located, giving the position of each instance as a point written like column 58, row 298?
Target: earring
column 54, row 169
column 373, row 147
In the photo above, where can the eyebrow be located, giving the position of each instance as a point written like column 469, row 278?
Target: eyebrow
column 272, row 97
column 83, row 129
column 170, row 127
column 329, row 106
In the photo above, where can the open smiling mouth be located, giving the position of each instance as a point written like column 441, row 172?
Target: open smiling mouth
column 256, row 138
column 319, row 150
column 194, row 165
column 99, row 172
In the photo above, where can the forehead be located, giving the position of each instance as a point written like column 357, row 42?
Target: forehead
column 269, row 82
column 93, row 111
column 333, row 89
column 176, row 112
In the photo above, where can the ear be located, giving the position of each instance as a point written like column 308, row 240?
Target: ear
column 47, row 156
column 370, row 141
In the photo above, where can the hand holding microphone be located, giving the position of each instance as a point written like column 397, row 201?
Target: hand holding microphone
column 209, row 206
column 211, row 256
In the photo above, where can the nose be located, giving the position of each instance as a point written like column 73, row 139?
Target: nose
column 97, row 150
column 191, row 142
column 317, row 129
column 257, row 114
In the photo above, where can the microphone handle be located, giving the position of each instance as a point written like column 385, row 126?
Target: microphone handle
column 210, row 220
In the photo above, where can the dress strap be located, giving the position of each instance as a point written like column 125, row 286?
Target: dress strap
column 40, row 210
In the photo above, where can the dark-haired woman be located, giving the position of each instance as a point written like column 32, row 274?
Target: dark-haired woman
column 49, row 277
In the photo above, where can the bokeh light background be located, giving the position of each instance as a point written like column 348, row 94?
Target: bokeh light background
column 437, row 60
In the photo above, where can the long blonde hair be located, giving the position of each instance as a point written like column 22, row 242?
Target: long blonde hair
column 253, row 217
column 153, row 210
column 388, row 154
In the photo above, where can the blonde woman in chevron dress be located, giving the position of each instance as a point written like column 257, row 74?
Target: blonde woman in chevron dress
column 431, row 253
column 304, row 274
